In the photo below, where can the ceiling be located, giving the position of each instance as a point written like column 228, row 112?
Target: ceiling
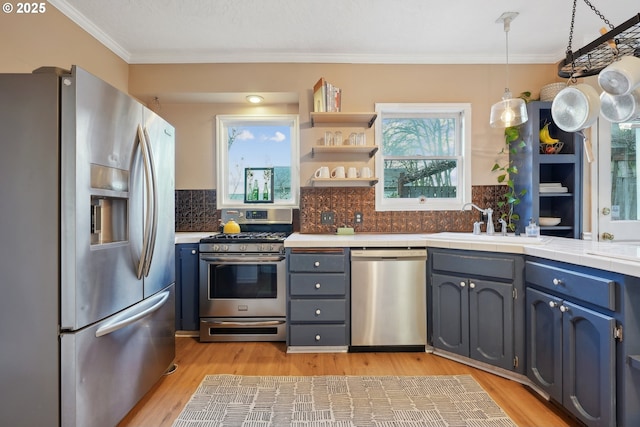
column 340, row 31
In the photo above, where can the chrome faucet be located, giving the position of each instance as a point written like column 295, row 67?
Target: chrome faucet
column 503, row 229
column 489, row 213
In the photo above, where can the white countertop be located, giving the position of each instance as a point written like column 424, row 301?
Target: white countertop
column 618, row 257
column 192, row 236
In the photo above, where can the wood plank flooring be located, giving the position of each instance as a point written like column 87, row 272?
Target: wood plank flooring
column 162, row 405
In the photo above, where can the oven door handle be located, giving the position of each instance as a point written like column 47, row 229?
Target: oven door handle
column 243, row 260
column 259, row 323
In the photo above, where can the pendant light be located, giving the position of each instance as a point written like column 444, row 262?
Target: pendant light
column 510, row 111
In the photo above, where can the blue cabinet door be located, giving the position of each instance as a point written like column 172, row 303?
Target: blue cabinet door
column 450, row 313
column 544, row 335
column 588, row 365
column 571, row 356
column 187, row 276
column 491, row 323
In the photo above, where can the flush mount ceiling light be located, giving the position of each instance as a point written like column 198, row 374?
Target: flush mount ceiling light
column 255, row 99
column 510, row 111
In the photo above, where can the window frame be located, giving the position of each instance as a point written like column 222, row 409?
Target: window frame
column 223, row 123
column 463, row 157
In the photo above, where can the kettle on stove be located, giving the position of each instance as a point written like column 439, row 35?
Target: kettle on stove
column 231, row 227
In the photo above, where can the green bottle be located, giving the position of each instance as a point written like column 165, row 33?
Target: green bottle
column 265, row 192
column 256, row 191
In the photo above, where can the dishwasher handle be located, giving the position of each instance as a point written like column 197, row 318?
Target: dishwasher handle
column 388, row 254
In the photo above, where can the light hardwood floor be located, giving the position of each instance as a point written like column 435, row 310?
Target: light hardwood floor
column 162, row 405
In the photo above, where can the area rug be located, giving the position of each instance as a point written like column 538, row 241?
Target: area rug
column 341, row 401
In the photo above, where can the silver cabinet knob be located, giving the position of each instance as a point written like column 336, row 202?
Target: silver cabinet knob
column 316, row 264
column 193, row 252
column 317, row 285
column 553, row 304
column 318, row 337
column 557, row 282
column 318, row 312
column 463, row 284
column 472, row 285
column 564, row 309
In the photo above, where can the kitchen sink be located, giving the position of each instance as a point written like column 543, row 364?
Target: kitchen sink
column 496, row 238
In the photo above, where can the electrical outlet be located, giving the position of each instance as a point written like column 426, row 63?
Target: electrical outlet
column 358, row 218
column 327, row 218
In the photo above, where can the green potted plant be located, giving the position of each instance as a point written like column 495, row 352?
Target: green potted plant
column 511, row 198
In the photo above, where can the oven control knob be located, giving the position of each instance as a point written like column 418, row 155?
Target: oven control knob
column 243, row 248
column 225, row 248
column 216, row 248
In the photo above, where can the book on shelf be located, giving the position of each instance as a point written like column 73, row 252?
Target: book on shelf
column 326, row 97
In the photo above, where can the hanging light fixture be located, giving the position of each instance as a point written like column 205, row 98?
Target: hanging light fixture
column 510, row 111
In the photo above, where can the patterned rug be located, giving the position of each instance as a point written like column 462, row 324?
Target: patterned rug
column 341, row 401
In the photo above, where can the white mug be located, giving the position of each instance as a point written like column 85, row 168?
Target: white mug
column 322, row 172
column 352, row 173
column 621, row 77
column 365, row 172
column 337, row 172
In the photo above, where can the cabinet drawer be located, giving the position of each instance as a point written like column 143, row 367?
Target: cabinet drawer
column 318, row 310
column 307, row 284
column 331, row 335
column 318, row 262
column 586, row 287
column 475, row 265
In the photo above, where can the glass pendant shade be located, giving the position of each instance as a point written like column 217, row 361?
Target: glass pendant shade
column 508, row 112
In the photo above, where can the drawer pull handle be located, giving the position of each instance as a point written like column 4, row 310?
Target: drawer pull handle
column 317, row 285
column 557, row 282
column 318, row 312
column 318, row 337
column 553, row 304
column 564, row 309
column 472, row 285
column 463, row 284
column 316, row 264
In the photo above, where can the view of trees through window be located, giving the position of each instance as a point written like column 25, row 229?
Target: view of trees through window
column 420, row 157
column 624, row 173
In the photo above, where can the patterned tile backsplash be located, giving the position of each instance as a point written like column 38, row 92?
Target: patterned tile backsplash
column 196, row 211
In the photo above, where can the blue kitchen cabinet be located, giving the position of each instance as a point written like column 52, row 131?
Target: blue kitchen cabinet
column 187, row 276
column 477, row 306
column 318, row 299
column 583, row 334
column 536, row 169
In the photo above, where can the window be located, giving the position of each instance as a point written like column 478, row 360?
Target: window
column 423, row 161
column 260, row 152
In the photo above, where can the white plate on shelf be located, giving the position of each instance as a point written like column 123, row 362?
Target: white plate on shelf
column 550, row 184
column 549, row 221
column 554, row 190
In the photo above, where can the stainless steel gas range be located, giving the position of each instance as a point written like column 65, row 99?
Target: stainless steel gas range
column 243, row 278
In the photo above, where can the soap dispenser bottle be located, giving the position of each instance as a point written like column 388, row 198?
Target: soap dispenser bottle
column 532, row 230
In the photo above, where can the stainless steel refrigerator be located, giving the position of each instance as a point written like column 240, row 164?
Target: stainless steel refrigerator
column 87, row 264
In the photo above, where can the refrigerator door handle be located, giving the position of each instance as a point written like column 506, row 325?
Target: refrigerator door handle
column 133, row 314
column 154, row 204
column 148, row 203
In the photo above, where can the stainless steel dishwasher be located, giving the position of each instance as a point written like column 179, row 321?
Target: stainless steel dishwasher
column 388, row 299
